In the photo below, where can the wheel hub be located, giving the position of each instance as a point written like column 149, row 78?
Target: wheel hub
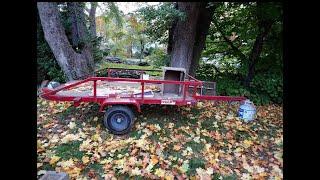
column 119, row 120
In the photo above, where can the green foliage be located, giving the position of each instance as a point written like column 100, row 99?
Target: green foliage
column 158, row 58
column 206, row 72
column 158, row 20
column 269, row 87
column 240, row 22
column 265, row 88
column 97, row 53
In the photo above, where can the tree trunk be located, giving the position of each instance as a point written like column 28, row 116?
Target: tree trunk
column 203, row 25
column 141, row 50
column 189, row 36
column 92, row 19
column 80, row 35
column 129, row 50
column 169, row 47
column 256, row 51
column 74, row 65
column 184, row 35
column 170, row 31
column 78, row 28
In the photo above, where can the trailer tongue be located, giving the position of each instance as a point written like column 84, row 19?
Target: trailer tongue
column 121, row 94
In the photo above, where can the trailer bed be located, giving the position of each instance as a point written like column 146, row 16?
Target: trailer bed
column 109, row 91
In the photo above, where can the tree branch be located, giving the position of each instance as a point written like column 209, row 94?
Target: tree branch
column 234, row 48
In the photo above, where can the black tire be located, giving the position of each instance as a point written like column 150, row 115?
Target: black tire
column 119, row 119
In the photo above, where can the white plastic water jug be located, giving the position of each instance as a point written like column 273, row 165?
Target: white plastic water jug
column 247, row 111
column 53, row 84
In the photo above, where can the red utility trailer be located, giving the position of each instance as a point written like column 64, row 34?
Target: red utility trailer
column 119, row 95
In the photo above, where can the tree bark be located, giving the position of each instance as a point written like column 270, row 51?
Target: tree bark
column 265, row 26
column 78, row 28
column 169, row 47
column 81, row 39
column 129, row 49
column 184, row 35
column 256, row 51
column 188, row 38
column 74, row 65
column 141, row 50
column 170, row 33
column 92, row 19
column 203, row 25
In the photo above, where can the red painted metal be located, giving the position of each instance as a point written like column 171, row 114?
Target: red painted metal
column 220, row 98
column 186, row 99
column 95, row 89
column 114, row 101
column 142, row 90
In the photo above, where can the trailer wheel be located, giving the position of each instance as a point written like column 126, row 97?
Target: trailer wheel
column 119, row 119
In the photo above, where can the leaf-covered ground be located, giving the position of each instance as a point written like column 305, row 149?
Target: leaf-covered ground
column 203, row 142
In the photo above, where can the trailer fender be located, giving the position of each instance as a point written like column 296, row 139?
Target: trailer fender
column 129, row 102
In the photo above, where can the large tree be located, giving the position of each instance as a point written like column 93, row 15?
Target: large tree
column 189, row 34
column 250, row 26
column 74, row 65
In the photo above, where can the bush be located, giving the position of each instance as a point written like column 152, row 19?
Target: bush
column 206, row 72
column 158, row 58
column 265, row 87
column 97, row 53
column 47, row 66
column 270, row 86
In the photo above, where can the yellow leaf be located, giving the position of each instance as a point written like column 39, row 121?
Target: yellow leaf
column 95, row 119
column 239, row 149
column 66, row 164
column 216, row 155
column 154, row 159
column 176, row 147
column 54, row 159
column 169, row 177
column 159, row 172
column 85, row 159
column 247, row 143
column 96, row 137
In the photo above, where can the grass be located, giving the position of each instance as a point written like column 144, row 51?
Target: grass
column 104, row 65
column 195, row 163
column 69, row 150
column 98, row 168
column 196, row 147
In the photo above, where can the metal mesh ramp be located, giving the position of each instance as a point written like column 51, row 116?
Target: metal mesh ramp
column 208, row 88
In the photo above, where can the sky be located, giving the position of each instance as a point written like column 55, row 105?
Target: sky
column 126, row 7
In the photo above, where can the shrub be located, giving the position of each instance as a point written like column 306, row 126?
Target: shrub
column 265, row 88
column 158, row 58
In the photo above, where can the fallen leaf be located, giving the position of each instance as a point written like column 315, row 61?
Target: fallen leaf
column 72, row 125
column 54, row 159
column 154, row 159
column 159, row 172
column 85, row 159
column 176, row 147
column 136, row 171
